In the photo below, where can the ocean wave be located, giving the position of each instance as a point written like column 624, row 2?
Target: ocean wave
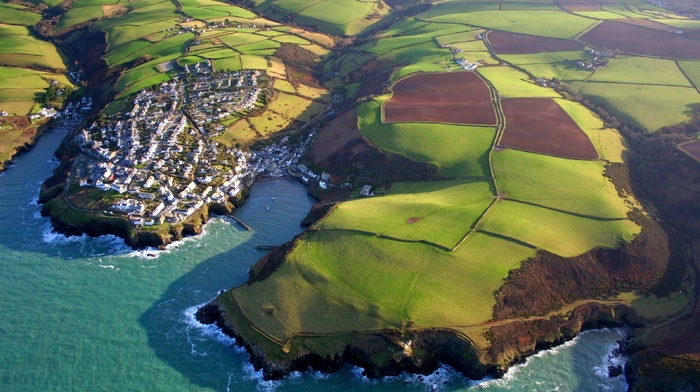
column 210, row 331
column 263, row 385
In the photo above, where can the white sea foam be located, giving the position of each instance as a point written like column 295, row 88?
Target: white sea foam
column 210, row 331
column 250, row 373
column 109, row 266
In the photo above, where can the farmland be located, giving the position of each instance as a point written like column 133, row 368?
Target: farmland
column 540, row 125
column 459, row 98
column 639, row 40
column 493, row 166
column 27, row 65
column 417, row 211
column 523, row 169
column 456, row 150
column 322, row 14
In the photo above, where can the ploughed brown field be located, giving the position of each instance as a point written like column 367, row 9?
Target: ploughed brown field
column 641, row 40
column 453, row 97
column 692, row 149
column 540, row 125
column 512, row 43
column 649, row 24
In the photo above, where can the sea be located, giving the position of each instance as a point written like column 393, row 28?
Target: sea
column 91, row 314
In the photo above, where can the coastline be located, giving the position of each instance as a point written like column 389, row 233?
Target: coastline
column 96, row 224
column 382, row 353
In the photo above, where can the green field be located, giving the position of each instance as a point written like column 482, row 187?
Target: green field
column 79, row 15
column 550, row 65
column 379, row 284
column 18, row 47
column 631, row 103
column 641, row 70
column 574, row 186
column 16, row 16
column 560, row 233
column 511, row 83
column 444, row 211
column 457, row 150
column 323, row 15
column 548, row 23
column 692, row 69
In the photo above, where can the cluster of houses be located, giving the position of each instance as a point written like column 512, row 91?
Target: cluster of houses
column 461, row 62
column 160, row 167
column 213, row 96
column 599, row 59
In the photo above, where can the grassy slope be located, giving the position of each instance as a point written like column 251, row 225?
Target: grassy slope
column 632, row 102
column 560, row 233
column 511, row 83
column 641, row 70
column 456, row 149
column 576, row 186
column 447, row 211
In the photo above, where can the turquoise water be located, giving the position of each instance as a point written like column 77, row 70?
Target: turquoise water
column 89, row 314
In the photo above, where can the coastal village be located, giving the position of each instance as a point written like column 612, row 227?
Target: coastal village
column 157, row 162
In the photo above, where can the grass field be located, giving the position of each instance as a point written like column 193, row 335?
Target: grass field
column 641, row 70
column 293, row 107
column 546, row 23
column 457, row 150
column 238, row 132
column 575, row 186
column 440, row 212
column 558, row 65
column 511, row 83
column 17, row 16
column 18, row 47
column 692, row 69
column 563, row 234
column 144, row 83
column 379, row 283
column 79, row 15
column 630, row 102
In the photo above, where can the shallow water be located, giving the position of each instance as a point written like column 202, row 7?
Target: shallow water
column 86, row 313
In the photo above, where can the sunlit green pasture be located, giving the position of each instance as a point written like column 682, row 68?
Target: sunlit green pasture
column 641, row 70
column 511, row 83
column 457, row 150
column 560, row 233
column 439, row 212
column 631, row 103
column 571, row 185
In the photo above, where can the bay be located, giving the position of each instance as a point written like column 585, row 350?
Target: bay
column 90, row 314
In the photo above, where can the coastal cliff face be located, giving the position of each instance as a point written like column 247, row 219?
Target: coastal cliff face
column 70, row 222
column 420, row 351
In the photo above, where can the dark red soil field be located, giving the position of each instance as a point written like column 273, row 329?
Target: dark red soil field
column 641, row 40
column 454, row 97
column 540, row 125
column 649, row 24
column 512, row 43
column 692, row 149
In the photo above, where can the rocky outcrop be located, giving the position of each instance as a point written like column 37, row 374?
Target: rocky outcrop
column 68, row 221
column 420, row 351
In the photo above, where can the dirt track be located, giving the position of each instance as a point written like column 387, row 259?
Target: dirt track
column 454, row 97
column 540, row 125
